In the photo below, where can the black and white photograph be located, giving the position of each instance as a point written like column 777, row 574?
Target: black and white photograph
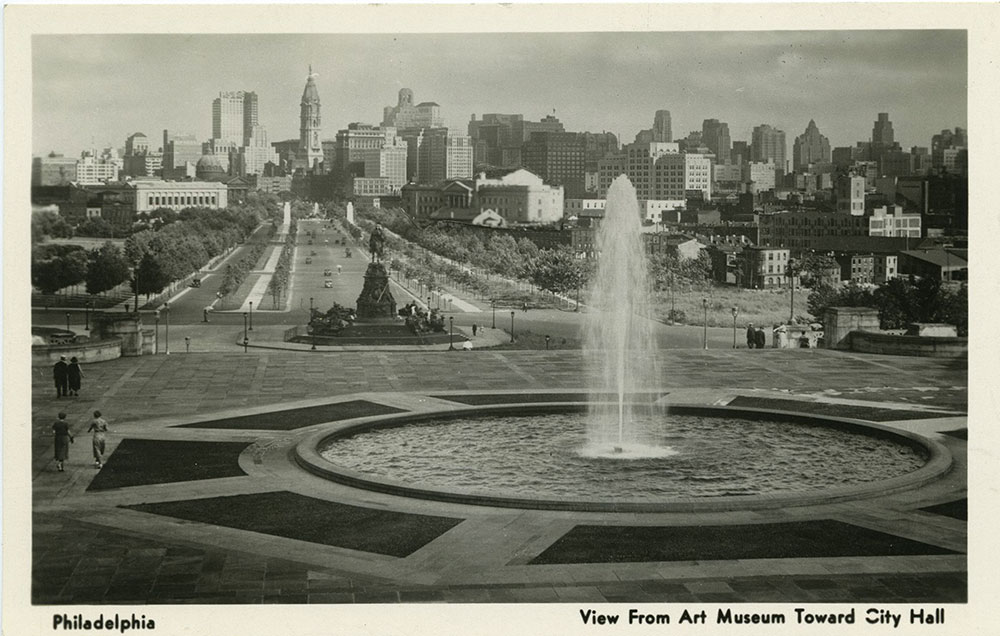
column 542, row 319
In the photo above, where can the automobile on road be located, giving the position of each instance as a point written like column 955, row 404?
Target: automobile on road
column 328, row 283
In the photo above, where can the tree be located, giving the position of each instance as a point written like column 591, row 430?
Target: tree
column 49, row 224
column 824, row 296
column 816, row 269
column 559, row 271
column 56, row 267
column 106, row 268
column 151, row 277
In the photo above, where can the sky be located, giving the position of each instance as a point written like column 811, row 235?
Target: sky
column 95, row 90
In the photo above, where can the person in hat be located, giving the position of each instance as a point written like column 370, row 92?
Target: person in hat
column 74, row 376
column 751, row 336
column 60, row 373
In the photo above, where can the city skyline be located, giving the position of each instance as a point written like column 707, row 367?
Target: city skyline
column 592, row 82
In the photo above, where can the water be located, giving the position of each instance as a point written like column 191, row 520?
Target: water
column 538, row 456
column 620, row 348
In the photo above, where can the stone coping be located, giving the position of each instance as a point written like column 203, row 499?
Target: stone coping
column 939, row 463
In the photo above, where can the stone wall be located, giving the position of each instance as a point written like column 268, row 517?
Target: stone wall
column 839, row 322
column 926, row 346
column 85, row 352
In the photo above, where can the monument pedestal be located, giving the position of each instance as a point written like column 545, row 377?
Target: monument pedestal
column 376, row 300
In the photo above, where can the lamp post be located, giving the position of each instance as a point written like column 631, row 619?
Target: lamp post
column 156, row 340
column 166, row 336
column 244, row 327
column 187, row 344
column 672, row 314
column 451, row 333
column 251, row 315
column 546, row 343
column 428, row 304
column 736, row 311
column 135, row 281
column 512, row 326
column 493, row 304
column 310, row 306
column 704, row 304
column 791, row 286
column 67, row 321
column 86, row 314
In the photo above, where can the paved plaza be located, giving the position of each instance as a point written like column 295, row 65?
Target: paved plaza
column 186, row 510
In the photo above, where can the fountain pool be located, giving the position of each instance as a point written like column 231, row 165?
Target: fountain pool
column 541, row 457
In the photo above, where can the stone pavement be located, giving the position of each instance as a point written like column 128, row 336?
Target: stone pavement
column 87, row 548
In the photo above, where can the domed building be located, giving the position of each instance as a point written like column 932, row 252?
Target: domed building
column 212, row 168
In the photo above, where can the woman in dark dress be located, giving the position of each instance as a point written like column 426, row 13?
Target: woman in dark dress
column 60, row 430
column 74, row 375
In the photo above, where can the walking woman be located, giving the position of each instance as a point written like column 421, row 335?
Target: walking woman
column 99, row 427
column 74, row 374
column 60, row 430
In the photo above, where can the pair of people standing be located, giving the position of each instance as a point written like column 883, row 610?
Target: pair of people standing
column 63, row 438
column 68, row 377
column 756, row 339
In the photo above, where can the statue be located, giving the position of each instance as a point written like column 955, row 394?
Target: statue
column 376, row 245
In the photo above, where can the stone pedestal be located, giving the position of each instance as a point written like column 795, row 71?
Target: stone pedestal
column 839, row 322
column 128, row 327
column 376, row 300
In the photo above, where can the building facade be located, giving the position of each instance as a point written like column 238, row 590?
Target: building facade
column 53, row 170
column 150, row 195
column 310, row 152
column 810, row 148
column 763, row 267
column 406, row 115
column 768, row 144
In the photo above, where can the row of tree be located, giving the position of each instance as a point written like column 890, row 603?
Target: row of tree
column 278, row 284
column 152, row 258
column 235, row 273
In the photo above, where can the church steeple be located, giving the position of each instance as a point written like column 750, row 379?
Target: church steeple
column 310, row 147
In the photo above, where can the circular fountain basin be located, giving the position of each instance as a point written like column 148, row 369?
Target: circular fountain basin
column 710, row 458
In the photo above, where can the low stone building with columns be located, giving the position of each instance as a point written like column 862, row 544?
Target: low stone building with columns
column 177, row 195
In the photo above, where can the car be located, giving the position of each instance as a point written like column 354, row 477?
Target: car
column 309, row 261
column 196, row 282
column 328, row 272
column 328, row 283
column 310, row 241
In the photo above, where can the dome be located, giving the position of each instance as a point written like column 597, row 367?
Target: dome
column 211, row 167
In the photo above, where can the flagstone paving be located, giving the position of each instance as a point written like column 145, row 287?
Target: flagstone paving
column 141, row 539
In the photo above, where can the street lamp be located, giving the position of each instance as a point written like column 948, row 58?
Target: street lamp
column 86, row 314
column 251, row 315
column 166, row 337
column 428, row 304
column 512, row 326
column 245, row 327
column 187, row 344
column 791, row 286
column 156, row 340
column 736, row 311
column 310, row 306
column 451, row 333
column 672, row 314
column 704, row 304
column 67, row 321
column 493, row 304
column 546, row 343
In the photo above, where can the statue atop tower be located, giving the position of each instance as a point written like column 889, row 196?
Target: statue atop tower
column 310, row 155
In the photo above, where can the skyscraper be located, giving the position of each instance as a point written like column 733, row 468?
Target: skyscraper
column 715, row 135
column 661, row 126
column 310, row 155
column 810, row 147
column 768, row 144
column 234, row 114
column 882, row 132
column 404, row 115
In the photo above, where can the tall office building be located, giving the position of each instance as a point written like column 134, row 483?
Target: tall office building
column 558, row 158
column 661, row 126
column 310, row 154
column 180, row 148
column 882, row 132
column 810, row 147
column 768, row 144
column 715, row 135
column 234, row 115
column 404, row 115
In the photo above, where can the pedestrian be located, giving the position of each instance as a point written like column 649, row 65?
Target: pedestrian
column 474, row 329
column 74, row 375
column 524, row 307
column 61, row 377
column 751, row 336
column 60, row 430
column 100, row 428
column 761, row 338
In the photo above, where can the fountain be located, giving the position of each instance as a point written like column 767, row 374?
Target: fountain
column 620, row 348
column 620, row 447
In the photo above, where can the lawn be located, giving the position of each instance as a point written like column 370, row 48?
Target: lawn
column 761, row 307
